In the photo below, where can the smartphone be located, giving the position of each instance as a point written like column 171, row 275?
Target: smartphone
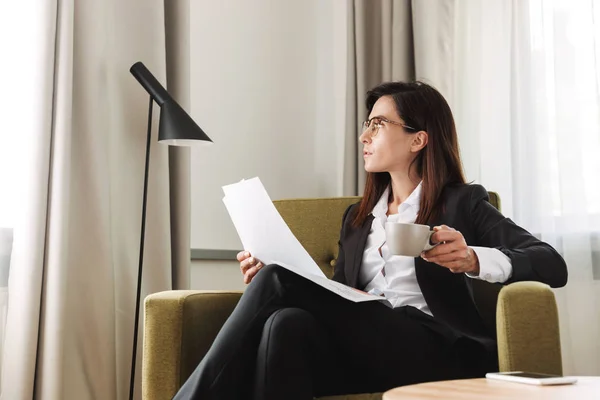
column 531, row 378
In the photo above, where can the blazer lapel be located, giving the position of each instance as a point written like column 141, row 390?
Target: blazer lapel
column 359, row 248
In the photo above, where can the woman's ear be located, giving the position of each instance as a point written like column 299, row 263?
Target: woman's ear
column 420, row 140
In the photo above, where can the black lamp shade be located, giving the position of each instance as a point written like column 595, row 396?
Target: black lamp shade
column 176, row 127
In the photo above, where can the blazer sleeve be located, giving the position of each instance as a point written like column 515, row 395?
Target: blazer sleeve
column 338, row 273
column 531, row 259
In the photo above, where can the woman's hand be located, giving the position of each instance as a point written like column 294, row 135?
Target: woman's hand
column 452, row 252
column 248, row 265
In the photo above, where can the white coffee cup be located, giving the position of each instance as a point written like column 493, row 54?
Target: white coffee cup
column 408, row 239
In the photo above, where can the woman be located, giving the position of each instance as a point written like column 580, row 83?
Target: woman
column 291, row 339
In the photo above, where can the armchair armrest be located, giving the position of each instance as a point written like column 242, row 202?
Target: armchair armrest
column 179, row 328
column 528, row 330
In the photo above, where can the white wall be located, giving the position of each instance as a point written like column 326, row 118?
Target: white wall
column 268, row 86
column 216, row 275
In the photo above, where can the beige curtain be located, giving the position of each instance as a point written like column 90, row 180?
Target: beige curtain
column 177, row 24
column 75, row 251
column 391, row 40
column 380, row 48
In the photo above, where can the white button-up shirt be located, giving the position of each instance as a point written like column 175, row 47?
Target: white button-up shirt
column 394, row 276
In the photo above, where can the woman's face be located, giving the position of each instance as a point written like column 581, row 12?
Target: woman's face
column 387, row 147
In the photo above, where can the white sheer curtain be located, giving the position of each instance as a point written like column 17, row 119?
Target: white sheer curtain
column 526, row 95
column 6, row 236
column 26, row 38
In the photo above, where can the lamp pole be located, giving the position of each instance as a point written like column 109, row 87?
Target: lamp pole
column 141, row 257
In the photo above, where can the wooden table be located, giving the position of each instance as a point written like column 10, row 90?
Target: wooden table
column 587, row 387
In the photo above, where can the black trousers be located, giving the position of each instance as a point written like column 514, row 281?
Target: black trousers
column 289, row 338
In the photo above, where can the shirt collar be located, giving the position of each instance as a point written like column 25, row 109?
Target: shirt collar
column 414, row 201
column 381, row 208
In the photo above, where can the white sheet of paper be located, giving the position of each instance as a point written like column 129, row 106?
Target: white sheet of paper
column 338, row 288
column 262, row 230
column 264, row 233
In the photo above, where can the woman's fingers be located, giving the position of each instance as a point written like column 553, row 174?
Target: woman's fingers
column 442, row 259
column 441, row 249
column 441, row 236
column 250, row 273
column 248, row 265
column 247, row 278
column 246, row 260
column 242, row 255
column 450, row 241
column 453, row 252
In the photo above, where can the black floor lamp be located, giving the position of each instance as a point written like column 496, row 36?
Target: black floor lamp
column 175, row 128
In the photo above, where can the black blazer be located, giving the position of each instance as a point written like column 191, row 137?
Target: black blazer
column 448, row 295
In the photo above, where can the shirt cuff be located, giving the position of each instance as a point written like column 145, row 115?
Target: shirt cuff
column 494, row 265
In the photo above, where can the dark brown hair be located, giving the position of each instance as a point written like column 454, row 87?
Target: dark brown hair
column 438, row 163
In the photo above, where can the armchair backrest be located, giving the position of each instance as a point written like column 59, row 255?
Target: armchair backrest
column 316, row 224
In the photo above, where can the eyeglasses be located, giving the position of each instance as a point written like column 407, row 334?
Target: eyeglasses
column 377, row 122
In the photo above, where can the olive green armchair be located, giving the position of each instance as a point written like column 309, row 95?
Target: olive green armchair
column 180, row 326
